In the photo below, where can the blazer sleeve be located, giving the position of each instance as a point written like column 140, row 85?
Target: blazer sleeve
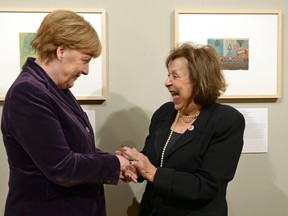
column 36, row 126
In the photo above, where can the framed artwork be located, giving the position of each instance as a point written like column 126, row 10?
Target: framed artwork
column 248, row 44
column 18, row 28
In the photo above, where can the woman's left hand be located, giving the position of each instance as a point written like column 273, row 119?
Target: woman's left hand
column 140, row 162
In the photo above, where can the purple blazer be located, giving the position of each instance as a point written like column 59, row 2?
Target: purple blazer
column 55, row 169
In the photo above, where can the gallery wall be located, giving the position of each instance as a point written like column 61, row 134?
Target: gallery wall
column 139, row 37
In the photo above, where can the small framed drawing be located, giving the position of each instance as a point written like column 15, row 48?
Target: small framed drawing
column 248, row 44
column 18, row 28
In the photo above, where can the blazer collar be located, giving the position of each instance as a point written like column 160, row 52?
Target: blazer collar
column 41, row 76
column 165, row 121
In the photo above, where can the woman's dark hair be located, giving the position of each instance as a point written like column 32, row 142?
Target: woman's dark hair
column 205, row 72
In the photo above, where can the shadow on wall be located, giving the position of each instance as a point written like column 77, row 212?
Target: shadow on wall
column 254, row 190
column 127, row 127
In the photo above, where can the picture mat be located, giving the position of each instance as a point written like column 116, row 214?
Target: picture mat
column 12, row 23
column 261, row 29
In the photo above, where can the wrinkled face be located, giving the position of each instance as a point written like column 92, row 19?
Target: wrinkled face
column 178, row 83
column 73, row 63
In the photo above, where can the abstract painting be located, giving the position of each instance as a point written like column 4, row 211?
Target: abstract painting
column 25, row 48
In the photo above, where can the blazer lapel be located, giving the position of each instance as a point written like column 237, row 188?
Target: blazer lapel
column 185, row 138
column 163, row 131
column 199, row 126
column 63, row 95
column 66, row 97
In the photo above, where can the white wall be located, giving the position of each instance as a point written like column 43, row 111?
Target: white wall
column 138, row 41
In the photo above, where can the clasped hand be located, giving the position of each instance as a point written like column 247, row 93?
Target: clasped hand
column 138, row 165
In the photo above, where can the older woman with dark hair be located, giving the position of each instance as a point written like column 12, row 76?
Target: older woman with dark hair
column 55, row 168
column 194, row 142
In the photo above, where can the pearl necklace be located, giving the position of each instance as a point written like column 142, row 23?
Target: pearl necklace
column 168, row 140
column 190, row 128
column 189, row 116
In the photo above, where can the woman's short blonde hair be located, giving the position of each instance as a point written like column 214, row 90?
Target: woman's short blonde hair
column 205, row 72
column 64, row 27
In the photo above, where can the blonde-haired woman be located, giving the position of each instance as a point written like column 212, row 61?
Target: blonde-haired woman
column 55, row 169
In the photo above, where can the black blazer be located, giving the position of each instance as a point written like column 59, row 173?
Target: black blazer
column 198, row 167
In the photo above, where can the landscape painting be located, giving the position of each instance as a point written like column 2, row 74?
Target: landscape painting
column 25, row 48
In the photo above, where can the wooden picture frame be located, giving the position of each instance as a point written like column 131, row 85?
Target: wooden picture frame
column 14, row 22
column 260, row 31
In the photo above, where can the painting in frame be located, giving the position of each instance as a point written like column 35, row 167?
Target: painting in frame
column 17, row 29
column 248, row 44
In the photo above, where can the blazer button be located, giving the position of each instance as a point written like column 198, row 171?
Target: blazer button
column 87, row 129
column 109, row 181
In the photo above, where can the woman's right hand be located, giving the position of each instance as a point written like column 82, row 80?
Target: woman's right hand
column 127, row 172
column 140, row 162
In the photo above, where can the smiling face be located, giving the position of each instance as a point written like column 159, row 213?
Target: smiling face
column 178, row 84
column 73, row 63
